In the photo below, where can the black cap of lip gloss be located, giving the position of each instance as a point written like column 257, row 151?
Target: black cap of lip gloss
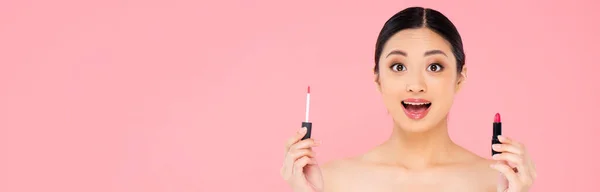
column 308, row 126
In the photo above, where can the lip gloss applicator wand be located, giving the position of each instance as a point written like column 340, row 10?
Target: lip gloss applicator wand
column 306, row 122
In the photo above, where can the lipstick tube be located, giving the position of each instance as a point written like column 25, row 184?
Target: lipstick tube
column 497, row 130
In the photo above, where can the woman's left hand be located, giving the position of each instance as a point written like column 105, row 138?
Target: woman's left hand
column 521, row 174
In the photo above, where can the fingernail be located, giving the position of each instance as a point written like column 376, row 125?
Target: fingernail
column 501, row 137
column 496, row 146
column 495, row 156
column 302, row 130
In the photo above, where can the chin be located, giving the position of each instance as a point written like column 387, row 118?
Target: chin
column 410, row 125
column 417, row 125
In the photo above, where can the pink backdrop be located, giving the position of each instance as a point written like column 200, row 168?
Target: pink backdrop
column 188, row 96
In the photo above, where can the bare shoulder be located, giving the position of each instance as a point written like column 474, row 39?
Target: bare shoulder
column 468, row 172
column 337, row 173
column 477, row 172
column 342, row 166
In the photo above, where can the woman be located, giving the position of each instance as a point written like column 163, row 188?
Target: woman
column 419, row 67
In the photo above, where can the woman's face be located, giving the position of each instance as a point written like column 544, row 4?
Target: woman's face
column 418, row 78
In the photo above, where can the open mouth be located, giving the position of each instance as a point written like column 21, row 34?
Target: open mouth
column 416, row 108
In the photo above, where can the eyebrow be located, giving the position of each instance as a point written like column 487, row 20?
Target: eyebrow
column 432, row 52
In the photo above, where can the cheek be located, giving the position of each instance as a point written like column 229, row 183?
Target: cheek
column 391, row 92
column 442, row 90
column 392, row 87
column 441, row 85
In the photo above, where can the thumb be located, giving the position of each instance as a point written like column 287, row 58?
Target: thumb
column 502, row 183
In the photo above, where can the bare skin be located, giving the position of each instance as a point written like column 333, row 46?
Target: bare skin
column 419, row 155
column 379, row 171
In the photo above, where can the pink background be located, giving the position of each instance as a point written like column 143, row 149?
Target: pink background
column 190, row 96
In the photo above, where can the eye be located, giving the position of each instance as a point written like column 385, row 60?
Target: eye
column 435, row 67
column 398, row 67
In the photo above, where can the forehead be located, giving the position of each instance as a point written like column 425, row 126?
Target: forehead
column 417, row 41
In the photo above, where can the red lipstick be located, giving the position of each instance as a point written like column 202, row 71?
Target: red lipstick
column 497, row 126
column 306, row 122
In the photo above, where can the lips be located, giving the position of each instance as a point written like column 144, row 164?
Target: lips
column 416, row 108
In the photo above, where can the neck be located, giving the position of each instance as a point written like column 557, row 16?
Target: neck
column 420, row 149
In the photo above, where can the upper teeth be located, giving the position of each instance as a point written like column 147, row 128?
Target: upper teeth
column 411, row 103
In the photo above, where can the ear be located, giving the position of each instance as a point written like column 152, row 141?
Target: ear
column 377, row 83
column 462, row 78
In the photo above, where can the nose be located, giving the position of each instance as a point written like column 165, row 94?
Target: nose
column 415, row 88
column 416, row 84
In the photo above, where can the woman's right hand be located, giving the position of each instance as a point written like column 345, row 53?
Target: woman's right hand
column 300, row 168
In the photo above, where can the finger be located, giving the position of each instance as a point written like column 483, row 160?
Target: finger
column 295, row 138
column 297, row 154
column 530, row 164
column 504, row 139
column 529, row 175
column 509, row 157
column 532, row 169
column 502, row 183
column 288, row 165
column 299, row 166
column 305, row 144
column 508, row 148
column 520, row 149
column 508, row 172
column 507, row 140
column 516, row 160
column 292, row 156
